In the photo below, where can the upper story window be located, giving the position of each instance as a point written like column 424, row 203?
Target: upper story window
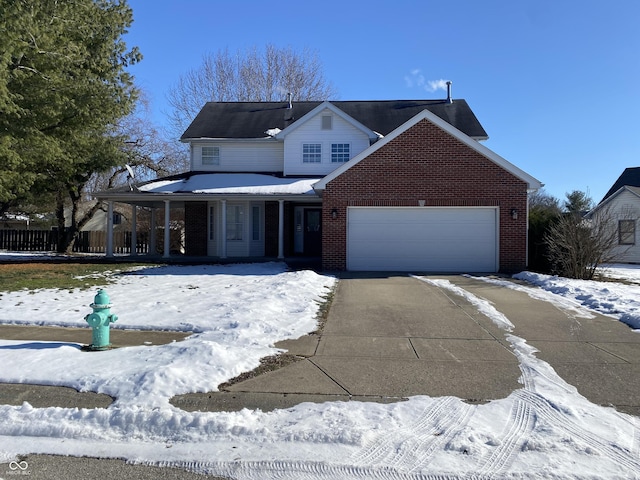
column 626, row 232
column 210, row 155
column 340, row 152
column 327, row 122
column 312, row 152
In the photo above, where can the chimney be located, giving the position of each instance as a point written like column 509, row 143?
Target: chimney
column 288, row 113
column 449, row 99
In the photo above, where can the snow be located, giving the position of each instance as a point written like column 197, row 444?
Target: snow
column 546, row 429
column 233, row 183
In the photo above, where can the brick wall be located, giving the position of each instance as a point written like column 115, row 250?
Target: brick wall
column 426, row 163
column 195, row 228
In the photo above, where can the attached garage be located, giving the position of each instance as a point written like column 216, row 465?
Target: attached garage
column 433, row 239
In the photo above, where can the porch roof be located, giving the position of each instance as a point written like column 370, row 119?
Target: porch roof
column 191, row 185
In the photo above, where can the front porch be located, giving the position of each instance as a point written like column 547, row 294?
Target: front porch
column 223, row 229
column 225, row 215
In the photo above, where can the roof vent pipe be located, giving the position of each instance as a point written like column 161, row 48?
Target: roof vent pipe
column 288, row 112
column 449, row 99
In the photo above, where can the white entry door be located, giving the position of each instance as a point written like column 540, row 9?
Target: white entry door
column 431, row 239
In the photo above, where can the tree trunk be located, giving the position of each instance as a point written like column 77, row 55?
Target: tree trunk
column 66, row 236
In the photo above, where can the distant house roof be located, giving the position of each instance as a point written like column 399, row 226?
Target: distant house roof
column 253, row 119
column 630, row 178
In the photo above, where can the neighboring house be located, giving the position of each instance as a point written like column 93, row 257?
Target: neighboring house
column 622, row 204
column 365, row 185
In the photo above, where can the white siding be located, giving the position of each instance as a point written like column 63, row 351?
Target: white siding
column 312, row 132
column 626, row 206
column 242, row 156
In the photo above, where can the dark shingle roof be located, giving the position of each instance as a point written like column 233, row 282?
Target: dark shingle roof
column 630, row 177
column 252, row 119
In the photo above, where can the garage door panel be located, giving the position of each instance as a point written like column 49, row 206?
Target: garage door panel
column 427, row 239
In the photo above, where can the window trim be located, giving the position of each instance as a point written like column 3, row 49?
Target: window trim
column 339, row 157
column 215, row 156
column 309, row 156
column 627, row 236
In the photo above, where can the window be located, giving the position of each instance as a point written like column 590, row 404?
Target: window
column 212, row 212
column 211, row 155
column 340, row 152
column 627, row 232
column 235, row 222
column 117, row 218
column 327, row 122
column 311, row 153
column 255, row 222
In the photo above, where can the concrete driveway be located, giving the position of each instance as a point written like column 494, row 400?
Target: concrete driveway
column 392, row 336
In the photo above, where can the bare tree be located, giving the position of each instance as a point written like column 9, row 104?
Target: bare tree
column 146, row 153
column 578, row 244
column 252, row 75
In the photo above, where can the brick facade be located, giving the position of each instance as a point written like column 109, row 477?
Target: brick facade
column 426, row 163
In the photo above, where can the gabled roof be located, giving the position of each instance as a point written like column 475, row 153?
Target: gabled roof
column 328, row 106
column 532, row 183
column 630, row 177
column 611, row 197
column 253, row 119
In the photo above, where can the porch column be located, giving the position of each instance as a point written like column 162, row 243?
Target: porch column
column 153, row 242
column 109, row 247
column 280, row 229
column 223, row 239
column 167, row 224
column 134, row 230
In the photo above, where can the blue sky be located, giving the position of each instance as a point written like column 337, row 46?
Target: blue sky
column 554, row 82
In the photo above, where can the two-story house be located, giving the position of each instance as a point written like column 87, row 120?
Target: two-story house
column 366, row 185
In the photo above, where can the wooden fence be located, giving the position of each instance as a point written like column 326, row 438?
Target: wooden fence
column 88, row 242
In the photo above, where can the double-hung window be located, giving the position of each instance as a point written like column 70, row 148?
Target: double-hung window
column 311, row 153
column 210, row 155
column 340, row 152
column 627, row 232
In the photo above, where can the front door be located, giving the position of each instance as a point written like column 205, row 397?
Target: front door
column 312, row 231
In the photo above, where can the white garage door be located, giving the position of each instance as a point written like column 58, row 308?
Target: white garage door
column 433, row 239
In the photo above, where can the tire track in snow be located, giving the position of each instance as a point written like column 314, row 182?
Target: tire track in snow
column 434, row 427
column 297, row 470
column 545, row 410
column 521, row 423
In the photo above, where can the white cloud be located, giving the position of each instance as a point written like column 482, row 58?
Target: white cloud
column 415, row 78
column 433, row 85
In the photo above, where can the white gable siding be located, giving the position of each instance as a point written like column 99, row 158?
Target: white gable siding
column 626, row 206
column 312, row 132
column 241, row 156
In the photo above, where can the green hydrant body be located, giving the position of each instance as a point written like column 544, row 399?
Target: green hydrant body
column 100, row 320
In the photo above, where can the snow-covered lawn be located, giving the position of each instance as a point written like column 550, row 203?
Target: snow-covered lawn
column 238, row 312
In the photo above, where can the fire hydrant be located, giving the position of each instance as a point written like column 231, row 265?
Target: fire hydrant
column 99, row 321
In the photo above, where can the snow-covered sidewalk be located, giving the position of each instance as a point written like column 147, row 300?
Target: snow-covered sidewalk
column 544, row 430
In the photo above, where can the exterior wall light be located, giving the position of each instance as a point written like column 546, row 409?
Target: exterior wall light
column 334, row 213
column 514, row 213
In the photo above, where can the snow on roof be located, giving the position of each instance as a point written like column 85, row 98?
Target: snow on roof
column 237, row 183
